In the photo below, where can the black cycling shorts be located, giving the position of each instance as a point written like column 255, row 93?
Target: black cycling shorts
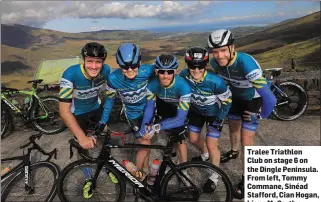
column 239, row 106
column 84, row 120
column 198, row 120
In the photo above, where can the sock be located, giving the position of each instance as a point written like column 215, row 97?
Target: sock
column 205, row 156
column 214, row 178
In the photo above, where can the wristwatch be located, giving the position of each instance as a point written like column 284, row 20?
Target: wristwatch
column 156, row 128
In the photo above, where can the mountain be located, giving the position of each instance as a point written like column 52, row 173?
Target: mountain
column 24, row 47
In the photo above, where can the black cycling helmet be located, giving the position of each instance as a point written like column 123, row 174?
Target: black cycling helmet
column 94, row 49
column 196, row 57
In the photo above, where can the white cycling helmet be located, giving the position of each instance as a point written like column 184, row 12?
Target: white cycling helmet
column 220, row 38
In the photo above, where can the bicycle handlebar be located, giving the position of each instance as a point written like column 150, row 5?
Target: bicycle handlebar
column 35, row 146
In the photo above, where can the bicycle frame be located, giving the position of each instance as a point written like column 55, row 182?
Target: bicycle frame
column 34, row 99
column 106, row 158
column 26, row 162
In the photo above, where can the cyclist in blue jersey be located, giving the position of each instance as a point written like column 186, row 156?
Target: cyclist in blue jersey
column 130, row 81
column 171, row 93
column 252, row 98
column 79, row 101
column 210, row 103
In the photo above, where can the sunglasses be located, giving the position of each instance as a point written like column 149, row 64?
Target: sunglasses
column 198, row 67
column 125, row 67
column 162, row 71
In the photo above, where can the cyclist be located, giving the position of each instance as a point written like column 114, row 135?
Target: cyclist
column 252, row 98
column 78, row 96
column 130, row 81
column 171, row 93
column 210, row 103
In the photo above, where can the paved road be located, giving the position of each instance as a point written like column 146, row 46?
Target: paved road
column 302, row 132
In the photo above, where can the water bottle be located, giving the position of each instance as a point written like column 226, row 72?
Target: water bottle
column 5, row 170
column 130, row 166
column 153, row 171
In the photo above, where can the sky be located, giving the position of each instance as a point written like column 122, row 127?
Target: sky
column 83, row 16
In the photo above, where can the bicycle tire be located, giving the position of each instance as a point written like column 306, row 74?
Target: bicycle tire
column 19, row 175
column 36, row 123
column 8, row 125
column 303, row 98
column 83, row 162
column 205, row 165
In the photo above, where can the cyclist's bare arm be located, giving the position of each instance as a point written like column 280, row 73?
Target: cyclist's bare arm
column 70, row 120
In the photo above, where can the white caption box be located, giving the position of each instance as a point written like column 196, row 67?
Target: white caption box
column 282, row 173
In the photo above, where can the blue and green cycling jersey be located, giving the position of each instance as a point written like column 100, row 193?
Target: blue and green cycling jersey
column 81, row 91
column 210, row 96
column 244, row 76
column 132, row 92
column 178, row 93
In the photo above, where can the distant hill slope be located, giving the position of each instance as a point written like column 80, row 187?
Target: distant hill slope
column 24, row 47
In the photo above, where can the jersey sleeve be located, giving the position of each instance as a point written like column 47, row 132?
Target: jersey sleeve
column 253, row 71
column 151, row 88
column 109, row 99
column 225, row 96
column 185, row 96
column 254, row 74
column 66, row 86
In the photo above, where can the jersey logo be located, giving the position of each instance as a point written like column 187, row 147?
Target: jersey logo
column 133, row 96
column 198, row 55
column 203, row 100
column 253, row 75
column 64, row 83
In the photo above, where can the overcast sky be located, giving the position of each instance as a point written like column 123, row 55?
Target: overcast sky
column 79, row 16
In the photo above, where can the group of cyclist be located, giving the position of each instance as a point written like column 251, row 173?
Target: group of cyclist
column 156, row 98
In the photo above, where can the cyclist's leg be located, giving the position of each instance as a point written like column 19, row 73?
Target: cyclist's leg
column 212, row 140
column 195, row 124
column 142, row 156
column 166, row 110
column 235, row 122
column 248, row 134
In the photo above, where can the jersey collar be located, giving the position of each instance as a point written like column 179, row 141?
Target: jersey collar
column 83, row 71
column 232, row 62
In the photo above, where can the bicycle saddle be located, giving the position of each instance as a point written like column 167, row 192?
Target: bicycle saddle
column 275, row 71
column 35, row 81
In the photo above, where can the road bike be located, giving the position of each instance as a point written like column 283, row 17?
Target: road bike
column 174, row 182
column 41, row 112
column 292, row 99
column 30, row 181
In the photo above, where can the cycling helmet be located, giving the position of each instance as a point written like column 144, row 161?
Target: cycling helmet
column 166, row 61
column 94, row 49
column 128, row 55
column 220, row 38
column 196, row 57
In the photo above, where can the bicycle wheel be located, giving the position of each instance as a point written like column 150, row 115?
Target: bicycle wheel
column 293, row 105
column 48, row 124
column 6, row 121
column 43, row 183
column 175, row 188
column 71, row 182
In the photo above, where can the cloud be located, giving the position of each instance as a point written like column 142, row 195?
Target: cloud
column 40, row 12
column 257, row 16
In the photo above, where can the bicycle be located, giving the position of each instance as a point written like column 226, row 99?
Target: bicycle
column 174, row 185
column 292, row 99
column 41, row 112
column 25, row 176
